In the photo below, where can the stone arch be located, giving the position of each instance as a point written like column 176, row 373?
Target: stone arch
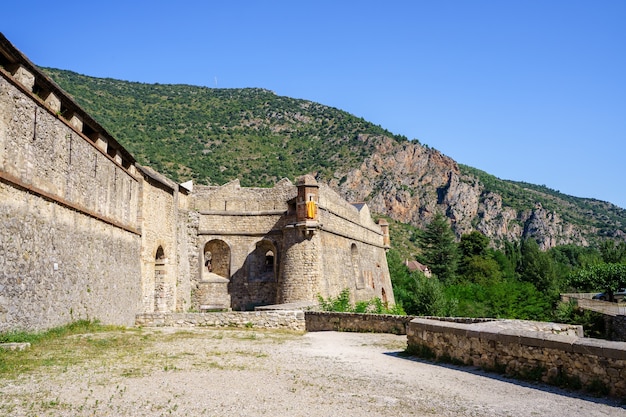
column 211, row 292
column 216, row 258
column 163, row 292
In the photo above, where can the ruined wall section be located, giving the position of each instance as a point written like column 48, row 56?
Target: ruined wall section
column 68, row 213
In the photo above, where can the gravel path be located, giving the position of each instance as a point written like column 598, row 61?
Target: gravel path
column 248, row 373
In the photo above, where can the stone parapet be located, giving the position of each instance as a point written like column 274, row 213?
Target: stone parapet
column 550, row 353
column 284, row 319
column 319, row 321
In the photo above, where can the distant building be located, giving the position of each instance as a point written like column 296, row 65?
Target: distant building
column 416, row 266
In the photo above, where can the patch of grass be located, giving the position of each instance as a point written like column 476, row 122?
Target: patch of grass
column 122, row 352
column 59, row 347
column 77, row 327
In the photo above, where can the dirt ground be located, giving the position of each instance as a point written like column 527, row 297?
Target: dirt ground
column 254, row 373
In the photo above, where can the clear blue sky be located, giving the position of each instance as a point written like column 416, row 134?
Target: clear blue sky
column 527, row 90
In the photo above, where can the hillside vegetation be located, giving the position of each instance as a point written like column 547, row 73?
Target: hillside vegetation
column 215, row 135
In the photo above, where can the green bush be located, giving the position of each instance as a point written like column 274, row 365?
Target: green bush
column 342, row 303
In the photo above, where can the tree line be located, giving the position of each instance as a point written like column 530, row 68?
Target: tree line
column 470, row 278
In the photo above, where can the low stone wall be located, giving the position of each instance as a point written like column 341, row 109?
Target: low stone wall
column 552, row 354
column 319, row 321
column 284, row 319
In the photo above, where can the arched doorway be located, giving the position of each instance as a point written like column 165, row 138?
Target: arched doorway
column 163, row 293
column 262, row 265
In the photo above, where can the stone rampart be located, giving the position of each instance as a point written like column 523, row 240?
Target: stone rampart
column 320, row 321
column 159, row 245
column 333, row 202
column 551, row 353
column 41, row 151
column 78, row 216
column 281, row 319
column 69, row 233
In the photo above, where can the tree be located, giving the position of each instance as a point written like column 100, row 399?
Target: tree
column 507, row 269
column 439, row 250
column 400, row 278
column 473, row 244
column 481, row 270
column 427, row 298
column 612, row 252
column 609, row 277
column 477, row 262
column 537, row 267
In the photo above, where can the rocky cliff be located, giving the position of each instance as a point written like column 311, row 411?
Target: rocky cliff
column 410, row 183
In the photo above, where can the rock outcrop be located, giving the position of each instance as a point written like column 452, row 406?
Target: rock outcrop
column 410, row 183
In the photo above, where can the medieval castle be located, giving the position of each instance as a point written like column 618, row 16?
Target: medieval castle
column 87, row 232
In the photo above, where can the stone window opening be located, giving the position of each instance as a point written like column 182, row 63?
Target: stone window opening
column 262, row 262
column 159, row 258
column 163, row 295
column 216, row 258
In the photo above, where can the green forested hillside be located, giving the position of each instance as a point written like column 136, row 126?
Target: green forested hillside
column 216, row 135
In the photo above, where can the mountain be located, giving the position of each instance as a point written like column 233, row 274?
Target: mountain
column 215, row 135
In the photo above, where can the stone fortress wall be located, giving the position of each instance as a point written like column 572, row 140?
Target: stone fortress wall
column 86, row 232
column 69, row 232
column 351, row 241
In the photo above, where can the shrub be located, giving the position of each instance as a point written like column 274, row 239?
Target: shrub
column 341, row 303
